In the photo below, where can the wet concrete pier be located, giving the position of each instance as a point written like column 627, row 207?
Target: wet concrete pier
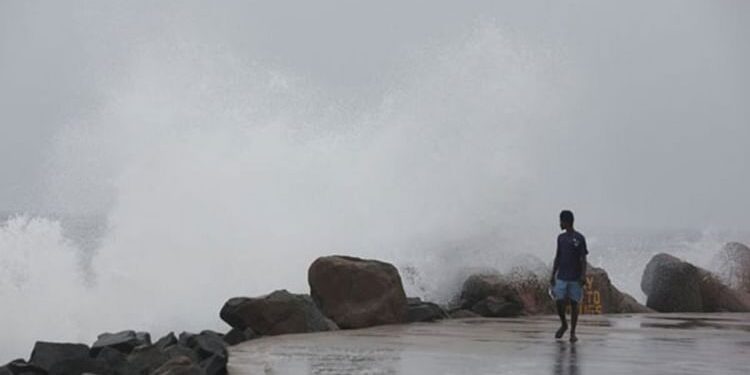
column 636, row 344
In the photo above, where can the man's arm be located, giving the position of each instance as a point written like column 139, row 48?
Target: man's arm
column 584, row 263
column 555, row 266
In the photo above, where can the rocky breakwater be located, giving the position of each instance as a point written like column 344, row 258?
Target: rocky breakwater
column 526, row 292
column 674, row 285
column 127, row 353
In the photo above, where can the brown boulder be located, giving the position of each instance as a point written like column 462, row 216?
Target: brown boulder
column 673, row 285
column 277, row 313
column 600, row 296
column 490, row 295
column 357, row 293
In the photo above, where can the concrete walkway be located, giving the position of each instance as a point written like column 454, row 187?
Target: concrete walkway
column 638, row 344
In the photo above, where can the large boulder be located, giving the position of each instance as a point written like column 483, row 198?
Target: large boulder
column 732, row 265
column 357, row 293
column 277, row 313
column 47, row 354
column 124, row 341
column 208, row 344
column 673, row 285
column 236, row 336
column 421, row 311
column 490, row 295
column 600, row 296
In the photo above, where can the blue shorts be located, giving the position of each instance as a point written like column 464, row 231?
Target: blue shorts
column 568, row 290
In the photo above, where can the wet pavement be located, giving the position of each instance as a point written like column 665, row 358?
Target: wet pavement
column 624, row 344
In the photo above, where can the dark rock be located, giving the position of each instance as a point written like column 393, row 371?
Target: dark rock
column 496, row 307
column 46, row 354
column 124, row 341
column 166, row 341
column 419, row 311
column 490, row 295
column 673, row 285
column 179, row 366
column 215, row 365
column 463, row 313
column 357, row 293
column 236, row 336
column 111, row 355
column 277, row 313
column 81, row 366
column 146, row 359
column 182, row 351
column 732, row 265
column 21, row 367
column 208, row 344
column 184, row 338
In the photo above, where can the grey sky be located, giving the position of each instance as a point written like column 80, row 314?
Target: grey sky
column 659, row 130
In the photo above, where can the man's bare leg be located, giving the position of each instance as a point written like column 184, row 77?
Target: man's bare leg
column 573, row 320
column 563, row 323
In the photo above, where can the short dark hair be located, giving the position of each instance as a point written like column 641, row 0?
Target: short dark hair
column 566, row 216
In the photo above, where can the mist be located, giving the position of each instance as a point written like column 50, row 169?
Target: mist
column 227, row 146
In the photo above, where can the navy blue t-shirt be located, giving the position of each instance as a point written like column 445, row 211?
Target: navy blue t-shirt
column 571, row 247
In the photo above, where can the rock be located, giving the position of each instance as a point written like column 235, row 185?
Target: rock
column 124, row 341
column 732, row 265
column 419, row 311
column 236, row 336
column 208, row 344
column 490, row 295
column 532, row 289
column 463, row 313
column 357, row 293
column 175, row 351
column 673, row 285
column 115, row 360
column 21, row 367
column 166, row 341
column 215, row 365
column 146, row 359
column 46, row 354
column 496, row 307
column 79, row 366
column 179, row 366
column 600, row 296
column 185, row 338
column 277, row 313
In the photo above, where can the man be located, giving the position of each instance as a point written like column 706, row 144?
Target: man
column 569, row 273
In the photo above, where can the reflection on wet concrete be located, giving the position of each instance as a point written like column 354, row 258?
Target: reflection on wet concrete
column 642, row 344
column 566, row 362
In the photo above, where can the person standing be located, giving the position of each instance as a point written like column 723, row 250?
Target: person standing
column 568, row 273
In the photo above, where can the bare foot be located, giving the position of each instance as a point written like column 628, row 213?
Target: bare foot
column 573, row 337
column 561, row 331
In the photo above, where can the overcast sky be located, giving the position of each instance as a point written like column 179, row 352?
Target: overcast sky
column 662, row 88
